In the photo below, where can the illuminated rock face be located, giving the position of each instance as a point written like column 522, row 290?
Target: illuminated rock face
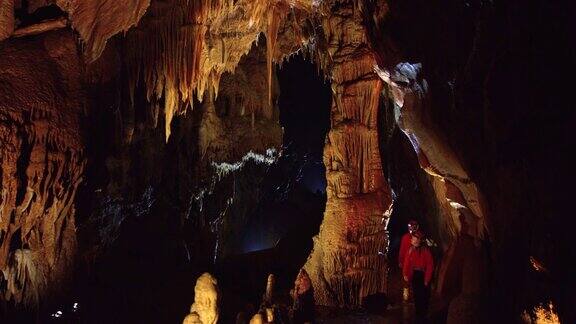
column 181, row 49
column 41, row 163
column 257, row 319
column 98, row 20
column 460, row 203
column 345, row 264
column 454, row 188
column 192, row 318
column 240, row 119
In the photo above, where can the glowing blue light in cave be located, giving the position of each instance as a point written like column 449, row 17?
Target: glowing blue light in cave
column 254, row 240
column 314, row 177
column 255, row 246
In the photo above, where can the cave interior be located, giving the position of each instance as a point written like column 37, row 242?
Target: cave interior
column 160, row 159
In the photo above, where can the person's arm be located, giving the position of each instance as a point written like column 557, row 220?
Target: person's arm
column 404, row 245
column 429, row 267
column 407, row 266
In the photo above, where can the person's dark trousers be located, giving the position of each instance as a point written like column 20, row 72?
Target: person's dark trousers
column 421, row 296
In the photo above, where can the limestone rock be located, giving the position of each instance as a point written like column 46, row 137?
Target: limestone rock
column 436, row 157
column 192, row 318
column 206, row 299
column 6, row 19
column 269, row 294
column 257, row 319
column 346, row 263
column 41, row 163
column 96, row 21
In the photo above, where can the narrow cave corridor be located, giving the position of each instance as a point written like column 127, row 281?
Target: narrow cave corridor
column 259, row 161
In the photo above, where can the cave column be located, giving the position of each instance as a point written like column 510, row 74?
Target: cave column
column 348, row 262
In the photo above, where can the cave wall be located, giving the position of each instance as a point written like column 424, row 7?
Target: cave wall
column 85, row 130
column 485, row 69
column 42, row 162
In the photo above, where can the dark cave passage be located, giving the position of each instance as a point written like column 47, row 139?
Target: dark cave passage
column 297, row 181
column 278, row 236
column 304, row 102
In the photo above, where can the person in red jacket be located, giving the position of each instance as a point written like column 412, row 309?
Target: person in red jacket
column 417, row 270
column 405, row 243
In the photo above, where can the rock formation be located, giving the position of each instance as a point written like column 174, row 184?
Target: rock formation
column 455, row 191
column 346, row 263
column 41, row 163
column 269, row 294
column 183, row 48
column 110, row 110
column 436, row 157
column 257, row 319
column 192, row 318
column 205, row 300
column 96, row 21
column 6, row 19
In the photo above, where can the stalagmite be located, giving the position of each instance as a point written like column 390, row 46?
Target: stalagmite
column 257, row 319
column 206, row 299
column 192, row 318
column 347, row 263
column 269, row 294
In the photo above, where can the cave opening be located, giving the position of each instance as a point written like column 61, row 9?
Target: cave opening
column 305, row 116
column 298, row 178
column 277, row 237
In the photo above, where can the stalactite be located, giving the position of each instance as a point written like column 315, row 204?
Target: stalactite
column 182, row 47
column 275, row 16
column 98, row 20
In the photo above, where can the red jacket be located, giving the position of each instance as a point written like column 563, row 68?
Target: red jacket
column 405, row 245
column 419, row 259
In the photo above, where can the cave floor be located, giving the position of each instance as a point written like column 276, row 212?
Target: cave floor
column 396, row 311
column 393, row 315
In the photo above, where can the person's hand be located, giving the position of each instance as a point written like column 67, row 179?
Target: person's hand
column 406, row 278
column 400, row 265
column 426, row 284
